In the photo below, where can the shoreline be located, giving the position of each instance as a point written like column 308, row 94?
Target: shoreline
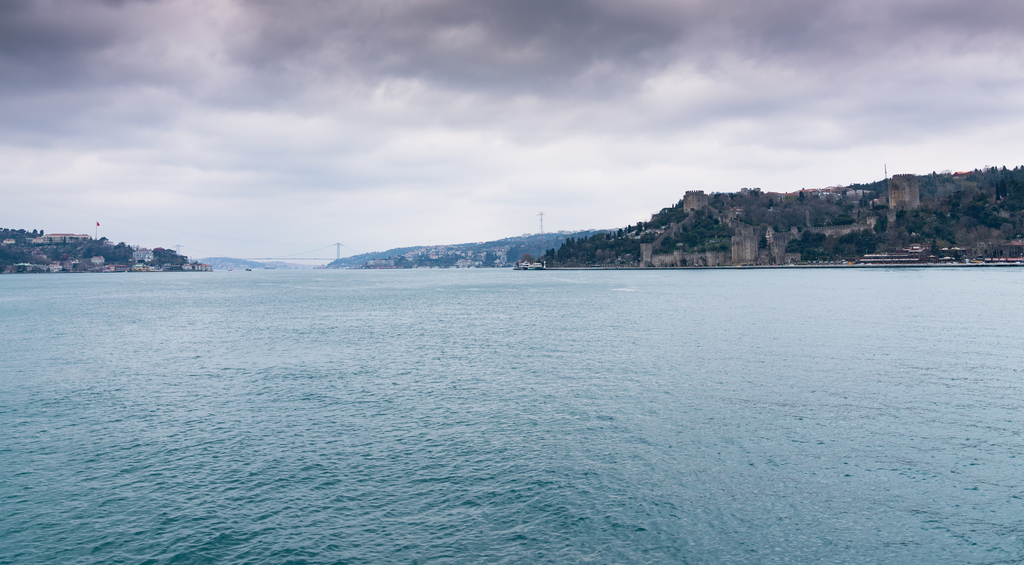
column 847, row 266
column 605, row 268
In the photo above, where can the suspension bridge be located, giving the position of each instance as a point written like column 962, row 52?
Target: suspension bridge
column 303, row 257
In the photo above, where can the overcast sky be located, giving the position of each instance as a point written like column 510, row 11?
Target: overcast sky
column 259, row 128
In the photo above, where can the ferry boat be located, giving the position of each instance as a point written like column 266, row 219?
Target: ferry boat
column 524, row 266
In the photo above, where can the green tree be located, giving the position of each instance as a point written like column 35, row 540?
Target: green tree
column 882, row 224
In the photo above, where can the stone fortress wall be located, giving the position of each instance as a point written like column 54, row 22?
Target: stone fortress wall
column 681, row 259
column 746, row 249
column 744, row 244
column 706, row 259
column 903, row 193
column 777, row 243
column 839, row 231
column 694, row 200
column 678, row 258
column 646, row 254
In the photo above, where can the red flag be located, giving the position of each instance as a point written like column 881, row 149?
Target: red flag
column 97, row 224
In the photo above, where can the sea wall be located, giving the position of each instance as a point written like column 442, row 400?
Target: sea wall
column 706, row 259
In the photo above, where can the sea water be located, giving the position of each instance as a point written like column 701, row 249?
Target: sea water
column 494, row 416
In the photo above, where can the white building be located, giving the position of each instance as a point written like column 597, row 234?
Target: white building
column 196, row 267
column 142, row 255
column 61, row 238
column 380, row 264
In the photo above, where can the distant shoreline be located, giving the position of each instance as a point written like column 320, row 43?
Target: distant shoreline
column 853, row 266
column 602, row 268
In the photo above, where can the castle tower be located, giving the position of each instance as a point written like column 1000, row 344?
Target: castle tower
column 646, row 254
column 903, row 193
column 744, row 245
column 694, row 200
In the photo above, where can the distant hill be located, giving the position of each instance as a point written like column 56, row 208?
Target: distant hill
column 357, row 260
column 31, row 251
column 496, row 253
column 226, row 263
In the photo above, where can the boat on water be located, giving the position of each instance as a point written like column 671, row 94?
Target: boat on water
column 525, row 266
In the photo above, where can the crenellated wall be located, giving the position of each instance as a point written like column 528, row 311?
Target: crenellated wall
column 839, row 231
column 694, row 200
column 745, row 250
column 681, row 259
column 706, row 259
column 665, row 260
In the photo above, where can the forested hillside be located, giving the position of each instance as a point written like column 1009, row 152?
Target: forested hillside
column 963, row 214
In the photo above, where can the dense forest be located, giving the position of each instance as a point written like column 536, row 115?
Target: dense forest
column 959, row 214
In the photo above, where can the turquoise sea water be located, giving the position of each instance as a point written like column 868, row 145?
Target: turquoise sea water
column 484, row 416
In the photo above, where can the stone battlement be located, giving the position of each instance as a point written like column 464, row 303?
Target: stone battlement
column 694, row 200
column 903, row 193
column 839, row 231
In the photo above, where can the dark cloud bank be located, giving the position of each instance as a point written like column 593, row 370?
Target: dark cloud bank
column 567, row 48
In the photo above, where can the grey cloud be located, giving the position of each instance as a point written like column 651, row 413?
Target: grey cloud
column 592, row 48
column 527, row 46
column 116, row 66
column 42, row 46
column 537, row 45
